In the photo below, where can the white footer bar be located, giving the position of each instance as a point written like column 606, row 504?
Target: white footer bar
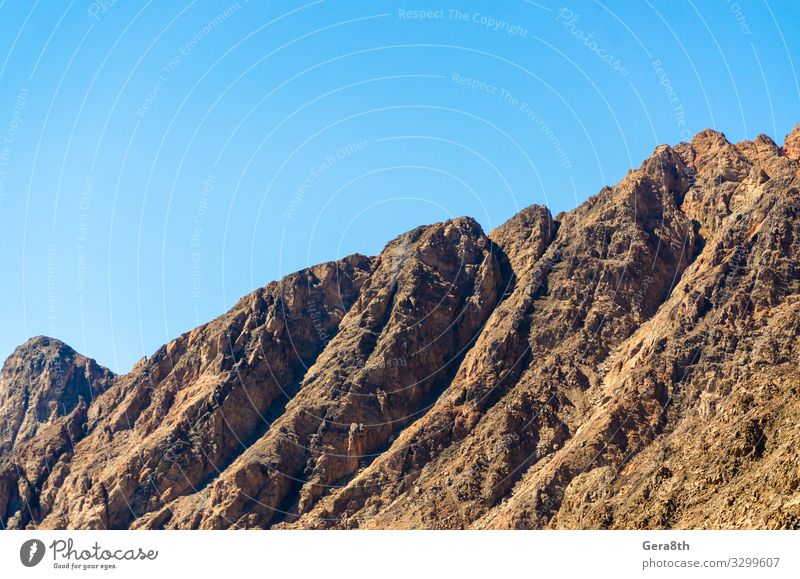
column 406, row 555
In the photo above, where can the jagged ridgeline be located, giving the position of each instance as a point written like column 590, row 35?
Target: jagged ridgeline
column 630, row 364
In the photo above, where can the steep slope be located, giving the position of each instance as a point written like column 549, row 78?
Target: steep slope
column 182, row 415
column 430, row 293
column 524, row 387
column 714, row 373
column 629, row 364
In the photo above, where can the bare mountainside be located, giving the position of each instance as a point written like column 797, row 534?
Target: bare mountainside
column 630, row 364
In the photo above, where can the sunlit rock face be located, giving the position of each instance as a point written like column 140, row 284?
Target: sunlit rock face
column 632, row 363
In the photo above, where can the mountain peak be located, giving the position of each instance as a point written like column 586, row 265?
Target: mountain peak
column 42, row 382
column 709, row 137
column 40, row 343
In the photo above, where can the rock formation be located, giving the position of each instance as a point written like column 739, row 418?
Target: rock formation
column 632, row 363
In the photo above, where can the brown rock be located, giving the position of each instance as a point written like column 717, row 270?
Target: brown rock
column 791, row 145
column 629, row 364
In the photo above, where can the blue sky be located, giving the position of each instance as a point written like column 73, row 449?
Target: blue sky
column 159, row 160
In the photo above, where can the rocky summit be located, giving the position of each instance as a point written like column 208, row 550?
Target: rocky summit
column 630, row 364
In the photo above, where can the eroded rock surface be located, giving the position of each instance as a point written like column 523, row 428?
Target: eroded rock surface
column 629, row 364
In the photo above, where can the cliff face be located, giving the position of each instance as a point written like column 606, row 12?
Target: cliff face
column 629, row 364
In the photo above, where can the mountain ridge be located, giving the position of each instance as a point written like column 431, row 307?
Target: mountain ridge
column 546, row 374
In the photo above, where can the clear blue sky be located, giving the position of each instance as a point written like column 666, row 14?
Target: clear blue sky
column 159, row 160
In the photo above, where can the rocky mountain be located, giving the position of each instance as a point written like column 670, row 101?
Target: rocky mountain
column 630, row 364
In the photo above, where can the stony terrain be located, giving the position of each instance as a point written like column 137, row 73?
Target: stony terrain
column 630, row 364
